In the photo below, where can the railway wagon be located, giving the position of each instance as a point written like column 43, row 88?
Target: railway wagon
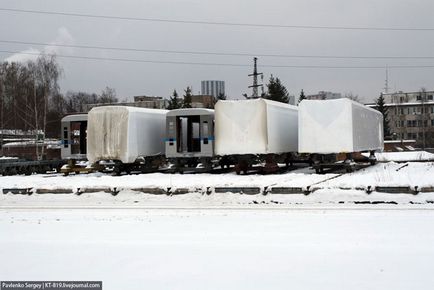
column 190, row 138
column 330, row 128
column 131, row 138
column 74, row 143
column 74, row 139
column 251, row 131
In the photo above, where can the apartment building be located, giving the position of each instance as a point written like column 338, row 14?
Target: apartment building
column 411, row 116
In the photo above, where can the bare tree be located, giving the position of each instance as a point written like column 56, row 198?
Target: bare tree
column 2, row 115
column 108, row 95
column 48, row 74
column 352, row 96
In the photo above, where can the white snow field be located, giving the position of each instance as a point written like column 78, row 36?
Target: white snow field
column 221, row 249
column 336, row 237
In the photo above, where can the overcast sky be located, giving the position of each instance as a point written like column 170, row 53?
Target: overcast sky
column 129, row 78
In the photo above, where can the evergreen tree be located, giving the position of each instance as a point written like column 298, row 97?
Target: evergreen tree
column 276, row 91
column 302, row 96
column 380, row 106
column 187, row 98
column 174, row 102
column 221, row 96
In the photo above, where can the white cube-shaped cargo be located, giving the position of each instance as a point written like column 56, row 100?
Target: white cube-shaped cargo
column 255, row 127
column 125, row 133
column 339, row 126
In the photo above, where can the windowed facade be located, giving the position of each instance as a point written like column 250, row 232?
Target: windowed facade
column 411, row 116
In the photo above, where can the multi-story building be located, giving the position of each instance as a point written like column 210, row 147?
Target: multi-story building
column 151, row 102
column 213, row 88
column 411, row 116
column 322, row 95
column 139, row 101
column 202, row 101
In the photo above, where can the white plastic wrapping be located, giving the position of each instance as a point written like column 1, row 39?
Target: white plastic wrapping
column 125, row 133
column 255, row 127
column 338, row 126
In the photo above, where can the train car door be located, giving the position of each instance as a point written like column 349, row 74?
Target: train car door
column 188, row 134
column 78, row 137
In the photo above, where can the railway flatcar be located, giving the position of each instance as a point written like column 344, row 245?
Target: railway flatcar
column 131, row 138
column 253, row 131
column 190, row 138
column 330, row 129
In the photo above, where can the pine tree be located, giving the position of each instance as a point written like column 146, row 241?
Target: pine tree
column 380, row 106
column 302, row 96
column 187, row 98
column 276, row 91
column 174, row 102
column 221, row 96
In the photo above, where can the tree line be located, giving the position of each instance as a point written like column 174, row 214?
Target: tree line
column 30, row 98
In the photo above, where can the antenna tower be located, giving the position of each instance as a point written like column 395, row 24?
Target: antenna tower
column 255, row 75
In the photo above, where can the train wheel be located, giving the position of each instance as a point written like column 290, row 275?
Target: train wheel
column 237, row 169
column 28, row 170
column 117, row 170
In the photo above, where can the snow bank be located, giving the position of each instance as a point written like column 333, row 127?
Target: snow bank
column 403, row 156
column 387, row 174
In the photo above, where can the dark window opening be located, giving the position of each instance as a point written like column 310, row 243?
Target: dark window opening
column 78, row 137
column 65, row 137
column 188, row 134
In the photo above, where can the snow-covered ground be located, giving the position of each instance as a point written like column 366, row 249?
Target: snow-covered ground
column 403, row 156
column 221, row 249
column 336, row 237
column 413, row 174
column 416, row 175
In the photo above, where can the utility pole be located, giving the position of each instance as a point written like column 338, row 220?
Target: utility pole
column 422, row 99
column 2, row 100
column 386, row 87
column 255, row 75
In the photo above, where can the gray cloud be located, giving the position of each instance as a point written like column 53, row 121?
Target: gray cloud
column 160, row 79
column 63, row 38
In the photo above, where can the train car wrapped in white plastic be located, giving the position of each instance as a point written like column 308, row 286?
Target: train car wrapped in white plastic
column 339, row 126
column 256, row 127
column 131, row 137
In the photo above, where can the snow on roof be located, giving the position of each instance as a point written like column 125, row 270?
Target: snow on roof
column 190, row 112
column 75, row 118
column 30, row 143
column 130, row 109
column 409, row 104
column 7, row 158
column 399, row 141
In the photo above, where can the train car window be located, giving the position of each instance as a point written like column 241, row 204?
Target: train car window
column 75, row 138
column 82, row 136
column 195, row 136
column 205, row 132
column 171, row 128
column 205, row 128
column 65, row 137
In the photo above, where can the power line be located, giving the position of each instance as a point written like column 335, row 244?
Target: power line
column 179, row 21
column 221, row 64
column 212, row 52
